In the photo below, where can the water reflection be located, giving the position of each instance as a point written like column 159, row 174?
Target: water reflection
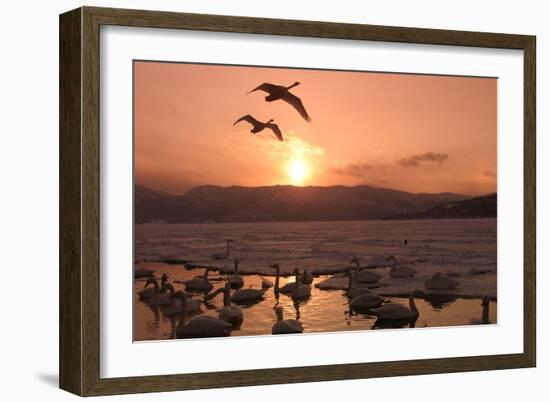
column 323, row 311
column 394, row 324
column 439, row 302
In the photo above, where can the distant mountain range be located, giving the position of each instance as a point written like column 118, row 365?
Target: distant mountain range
column 477, row 207
column 282, row 203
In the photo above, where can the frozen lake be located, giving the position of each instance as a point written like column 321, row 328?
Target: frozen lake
column 448, row 246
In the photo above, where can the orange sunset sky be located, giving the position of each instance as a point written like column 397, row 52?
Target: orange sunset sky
column 408, row 132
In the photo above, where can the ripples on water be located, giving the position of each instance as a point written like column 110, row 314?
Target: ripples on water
column 451, row 244
column 324, row 311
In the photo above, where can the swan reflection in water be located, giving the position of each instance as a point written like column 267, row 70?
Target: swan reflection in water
column 322, row 311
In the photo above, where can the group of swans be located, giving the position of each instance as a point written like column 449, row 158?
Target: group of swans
column 181, row 303
column 161, row 296
column 275, row 92
column 361, row 276
column 230, row 316
column 297, row 290
column 146, row 294
column 199, row 326
column 233, row 315
column 229, row 313
column 362, row 300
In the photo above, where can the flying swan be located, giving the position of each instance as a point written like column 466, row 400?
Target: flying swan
column 258, row 126
column 277, row 92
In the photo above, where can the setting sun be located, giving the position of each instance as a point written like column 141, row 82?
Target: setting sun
column 297, row 171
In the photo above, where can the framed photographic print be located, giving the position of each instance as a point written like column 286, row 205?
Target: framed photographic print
column 307, row 200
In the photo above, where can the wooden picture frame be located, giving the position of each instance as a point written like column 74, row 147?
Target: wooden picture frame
column 80, row 199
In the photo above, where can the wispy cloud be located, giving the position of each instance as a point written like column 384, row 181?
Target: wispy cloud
column 354, row 169
column 418, row 160
column 292, row 146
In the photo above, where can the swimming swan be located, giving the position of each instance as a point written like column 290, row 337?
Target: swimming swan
column 230, row 313
column 400, row 271
column 287, row 326
column 147, row 294
column 266, row 283
column 353, row 291
column 226, row 254
column 235, row 279
column 440, row 282
column 192, row 306
column 365, row 302
column 300, row 291
column 141, row 272
column 306, row 277
column 364, row 276
column 398, row 312
column 200, row 326
column 200, row 283
column 247, row 296
column 289, row 287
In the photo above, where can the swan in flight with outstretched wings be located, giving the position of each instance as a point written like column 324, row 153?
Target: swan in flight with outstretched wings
column 258, row 126
column 281, row 92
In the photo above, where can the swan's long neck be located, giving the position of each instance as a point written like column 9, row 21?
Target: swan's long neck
column 206, row 274
column 212, row 295
column 350, row 281
column 279, row 313
column 292, row 86
column 277, row 277
column 168, row 287
column 297, row 308
column 226, row 297
column 183, row 313
column 236, row 266
column 412, row 305
column 485, row 316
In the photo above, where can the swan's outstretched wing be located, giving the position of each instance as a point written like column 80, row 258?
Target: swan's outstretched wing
column 276, row 130
column 297, row 104
column 266, row 87
column 247, row 118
